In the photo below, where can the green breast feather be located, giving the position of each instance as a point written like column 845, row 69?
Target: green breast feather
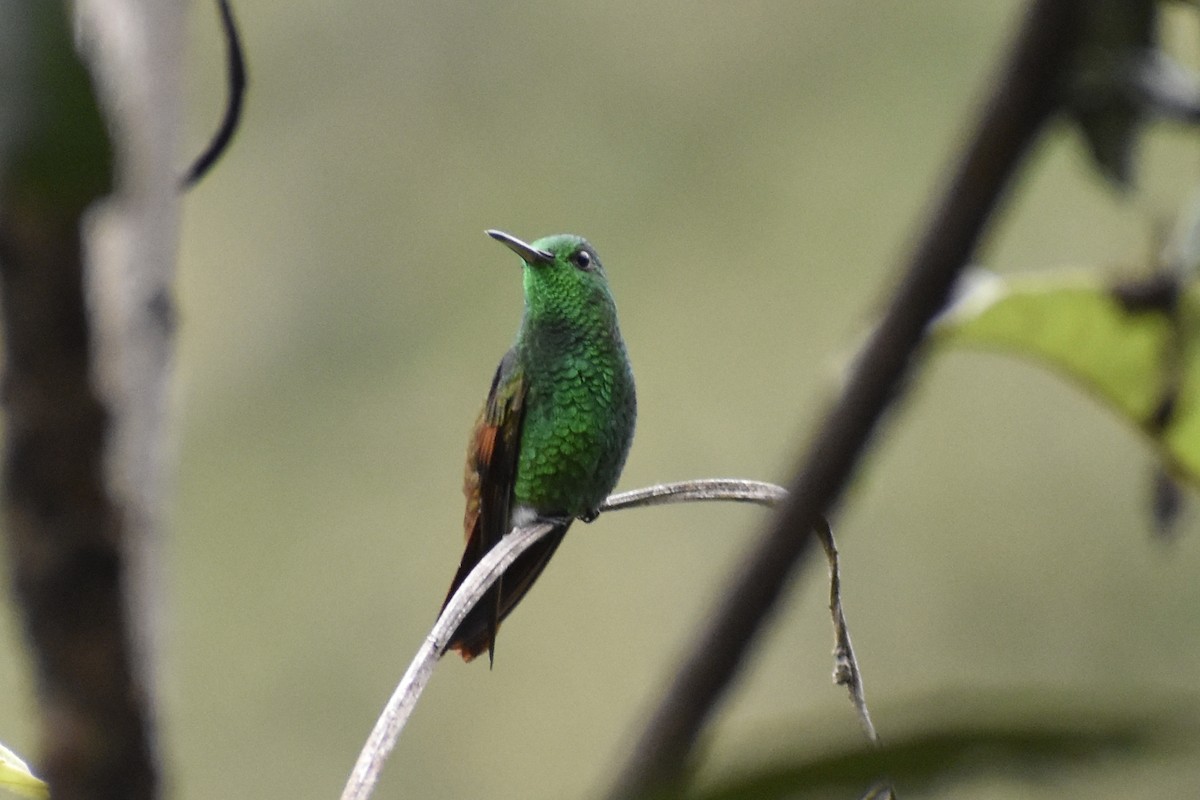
column 579, row 421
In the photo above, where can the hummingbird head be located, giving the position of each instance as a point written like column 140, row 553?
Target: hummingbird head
column 563, row 277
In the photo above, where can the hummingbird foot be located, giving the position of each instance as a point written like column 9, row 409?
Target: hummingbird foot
column 590, row 515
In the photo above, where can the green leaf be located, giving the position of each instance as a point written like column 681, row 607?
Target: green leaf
column 16, row 777
column 1132, row 346
column 1026, row 734
column 934, row 758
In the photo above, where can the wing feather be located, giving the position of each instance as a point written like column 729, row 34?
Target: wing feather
column 488, row 485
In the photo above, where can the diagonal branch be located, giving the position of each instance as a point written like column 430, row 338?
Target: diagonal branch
column 400, row 706
column 404, row 699
column 1026, row 96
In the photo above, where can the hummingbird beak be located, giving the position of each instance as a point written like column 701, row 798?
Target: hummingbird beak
column 531, row 255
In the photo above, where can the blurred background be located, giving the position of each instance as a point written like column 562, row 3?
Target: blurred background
column 751, row 173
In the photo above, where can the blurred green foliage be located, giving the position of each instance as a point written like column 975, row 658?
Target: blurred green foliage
column 54, row 149
column 956, row 741
column 1141, row 361
column 750, row 174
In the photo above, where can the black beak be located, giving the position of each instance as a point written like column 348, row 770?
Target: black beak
column 531, row 255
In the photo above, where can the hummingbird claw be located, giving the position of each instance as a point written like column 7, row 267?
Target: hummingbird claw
column 591, row 515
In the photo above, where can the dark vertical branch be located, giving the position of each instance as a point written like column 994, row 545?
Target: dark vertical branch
column 85, row 301
column 64, row 532
column 1026, row 96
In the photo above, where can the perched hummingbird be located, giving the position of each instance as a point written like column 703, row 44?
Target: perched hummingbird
column 555, row 429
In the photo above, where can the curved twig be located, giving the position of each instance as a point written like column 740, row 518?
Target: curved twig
column 737, row 490
column 235, row 65
column 399, row 708
column 845, row 665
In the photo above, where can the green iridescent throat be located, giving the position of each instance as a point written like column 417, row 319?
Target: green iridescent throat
column 580, row 406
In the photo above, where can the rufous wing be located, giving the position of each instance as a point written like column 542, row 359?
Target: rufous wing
column 490, row 473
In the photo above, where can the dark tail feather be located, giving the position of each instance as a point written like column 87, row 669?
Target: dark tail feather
column 477, row 632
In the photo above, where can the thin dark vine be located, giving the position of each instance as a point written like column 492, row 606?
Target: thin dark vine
column 235, row 71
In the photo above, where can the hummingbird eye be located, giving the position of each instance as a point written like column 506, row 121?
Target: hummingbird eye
column 582, row 259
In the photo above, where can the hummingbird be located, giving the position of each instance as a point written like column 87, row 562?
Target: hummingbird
column 555, row 429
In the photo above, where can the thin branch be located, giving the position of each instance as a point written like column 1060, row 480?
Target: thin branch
column 1026, row 97
column 235, row 75
column 729, row 489
column 404, row 699
column 845, row 665
column 400, row 706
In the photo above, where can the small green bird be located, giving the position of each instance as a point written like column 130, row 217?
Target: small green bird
column 553, row 435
